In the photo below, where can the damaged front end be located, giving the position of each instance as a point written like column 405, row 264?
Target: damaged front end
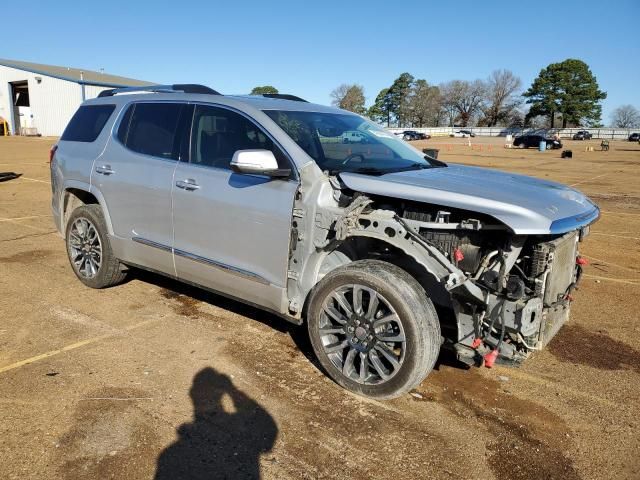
column 500, row 296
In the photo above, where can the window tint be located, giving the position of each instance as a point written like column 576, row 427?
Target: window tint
column 87, row 123
column 153, row 129
column 218, row 133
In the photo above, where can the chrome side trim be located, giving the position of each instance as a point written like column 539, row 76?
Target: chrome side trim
column 151, row 243
column 222, row 266
column 206, row 261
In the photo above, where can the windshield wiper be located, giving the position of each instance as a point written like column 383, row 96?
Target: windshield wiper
column 370, row 170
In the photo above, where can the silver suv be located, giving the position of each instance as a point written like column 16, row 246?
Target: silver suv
column 386, row 254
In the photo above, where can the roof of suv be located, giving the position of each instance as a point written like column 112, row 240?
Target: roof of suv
column 257, row 102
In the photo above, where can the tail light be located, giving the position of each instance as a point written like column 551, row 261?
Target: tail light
column 52, row 152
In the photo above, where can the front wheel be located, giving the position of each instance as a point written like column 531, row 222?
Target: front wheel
column 373, row 328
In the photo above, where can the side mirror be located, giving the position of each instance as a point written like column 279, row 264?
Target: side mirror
column 257, row 162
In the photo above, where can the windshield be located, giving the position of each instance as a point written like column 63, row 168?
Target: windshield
column 349, row 143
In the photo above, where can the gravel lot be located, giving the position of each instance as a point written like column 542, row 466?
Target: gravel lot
column 153, row 377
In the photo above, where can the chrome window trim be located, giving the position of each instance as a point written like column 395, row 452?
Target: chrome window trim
column 206, row 261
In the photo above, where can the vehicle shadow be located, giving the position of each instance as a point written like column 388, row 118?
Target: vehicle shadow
column 297, row 333
column 225, row 438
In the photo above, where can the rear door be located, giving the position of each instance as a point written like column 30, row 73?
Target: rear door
column 232, row 231
column 135, row 176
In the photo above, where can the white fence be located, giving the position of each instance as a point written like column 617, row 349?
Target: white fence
column 599, row 133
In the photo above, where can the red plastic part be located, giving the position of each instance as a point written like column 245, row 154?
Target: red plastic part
column 476, row 343
column 458, row 256
column 490, row 358
column 582, row 261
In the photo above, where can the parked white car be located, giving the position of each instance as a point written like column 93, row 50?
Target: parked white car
column 352, row 136
column 462, row 134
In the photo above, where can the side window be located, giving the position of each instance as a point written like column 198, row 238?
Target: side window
column 217, row 133
column 153, row 129
column 87, row 123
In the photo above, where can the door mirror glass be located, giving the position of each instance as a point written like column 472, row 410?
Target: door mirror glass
column 257, row 162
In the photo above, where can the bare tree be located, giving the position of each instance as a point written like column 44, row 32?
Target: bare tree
column 349, row 97
column 463, row 97
column 501, row 99
column 625, row 116
column 424, row 103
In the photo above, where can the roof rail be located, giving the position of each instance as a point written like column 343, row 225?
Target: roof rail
column 178, row 87
column 284, row 96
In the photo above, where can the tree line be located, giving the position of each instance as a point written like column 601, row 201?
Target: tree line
column 564, row 94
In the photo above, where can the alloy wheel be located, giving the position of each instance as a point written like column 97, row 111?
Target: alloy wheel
column 85, row 247
column 362, row 335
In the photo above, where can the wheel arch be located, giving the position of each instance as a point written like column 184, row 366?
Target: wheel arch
column 363, row 247
column 76, row 194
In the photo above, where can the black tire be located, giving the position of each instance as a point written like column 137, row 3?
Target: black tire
column 110, row 271
column 549, row 146
column 419, row 323
column 522, row 145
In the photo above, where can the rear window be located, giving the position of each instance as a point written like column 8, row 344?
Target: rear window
column 87, row 123
column 153, row 129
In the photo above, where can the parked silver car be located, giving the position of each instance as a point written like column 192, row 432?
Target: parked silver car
column 386, row 254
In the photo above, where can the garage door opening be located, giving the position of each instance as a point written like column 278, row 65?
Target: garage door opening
column 22, row 116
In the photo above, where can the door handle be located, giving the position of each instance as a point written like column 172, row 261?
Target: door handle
column 189, row 184
column 105, row 170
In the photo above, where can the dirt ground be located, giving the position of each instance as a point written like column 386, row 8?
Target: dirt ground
column 155, row 378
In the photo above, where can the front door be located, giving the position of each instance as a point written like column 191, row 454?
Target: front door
column 135, row 176
column 232, row 231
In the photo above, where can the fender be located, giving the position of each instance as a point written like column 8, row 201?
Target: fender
column 84, row 186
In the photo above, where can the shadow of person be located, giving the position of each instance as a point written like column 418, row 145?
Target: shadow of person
column 228, row 434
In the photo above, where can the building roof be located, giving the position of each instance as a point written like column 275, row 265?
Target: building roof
column 78, row 75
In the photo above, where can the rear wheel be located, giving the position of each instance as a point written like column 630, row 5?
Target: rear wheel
column 89, row 250
column 373, row 328
column 522, row 145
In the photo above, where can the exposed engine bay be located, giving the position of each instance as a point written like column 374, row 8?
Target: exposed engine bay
column 500, row 296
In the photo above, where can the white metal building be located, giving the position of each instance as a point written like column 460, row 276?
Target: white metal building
column 40, row 99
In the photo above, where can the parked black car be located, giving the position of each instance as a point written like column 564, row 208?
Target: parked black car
column 583, row 135
column 413, row 135
column 528, row 141
column 634, row 137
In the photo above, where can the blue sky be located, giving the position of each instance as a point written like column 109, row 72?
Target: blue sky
column 308, row 48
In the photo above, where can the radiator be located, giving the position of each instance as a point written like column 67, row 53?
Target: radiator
column 558, row 258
